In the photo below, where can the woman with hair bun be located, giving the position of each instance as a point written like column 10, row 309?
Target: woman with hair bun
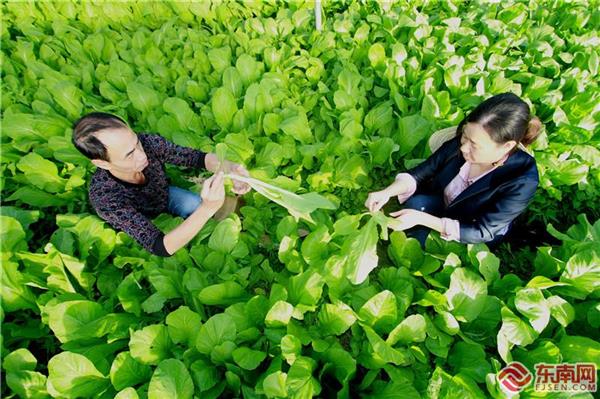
column 473, row 187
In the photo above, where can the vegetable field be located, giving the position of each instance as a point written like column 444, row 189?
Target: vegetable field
column 324, row 303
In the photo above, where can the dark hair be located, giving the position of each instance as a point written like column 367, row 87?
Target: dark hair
column 85, row 129
column 505, row 117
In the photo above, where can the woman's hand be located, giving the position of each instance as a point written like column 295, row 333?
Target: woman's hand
column 400, row 187
column 407, row 218
column 376, row 200
column 238, row 186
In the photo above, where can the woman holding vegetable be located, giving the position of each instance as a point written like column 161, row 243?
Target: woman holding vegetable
column 473, row 187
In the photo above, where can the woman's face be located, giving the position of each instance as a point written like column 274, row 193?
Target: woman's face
column 478, row 147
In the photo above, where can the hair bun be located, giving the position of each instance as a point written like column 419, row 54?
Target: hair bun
column 533, row 131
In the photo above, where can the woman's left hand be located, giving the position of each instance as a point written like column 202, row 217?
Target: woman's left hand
column 406, row 218
column 239, row 187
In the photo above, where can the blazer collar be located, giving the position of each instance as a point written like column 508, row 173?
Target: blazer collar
column 514, row 162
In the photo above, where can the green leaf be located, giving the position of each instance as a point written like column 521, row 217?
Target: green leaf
column 250, row 70
column 384, row 351
column 300, row 382
column 15, row 294
column 487, row 263
column 222, row 353
column 142, row 97
column 516, row 330
column 274, row 385
column 291, row 348
column 394, row 390
column 379, row 117
column 74, row 375
column 224, row 107
column 580, row 349
column 151, row 344
column 226, row 293
column 125, row 371
column 298, row 128
column 444, row 385
column 532, row 304
column 181, row 111
column 405, row 251
column 28, row 384
column 271, row 123
column 411, row 131
column 19, row 360
column 204, row 374
column 12, row 236
column 411, row 329
column 225, row 236
column 466, row 294
column 166, row 283
column 470, row 359
column 25, row 217
column 35, row 127
column 240, row 148
column 446, row 322
column 218, row 329
column 232, row 80
column 542, row 282
column 314, row 246
column 247, row 358
column 306, row 288
column 41, row 173
column 299, row 206
column 430, row 108
column 183, row 325
column 583, row 271
column 95, row 237
column 279, row 315
column 380, row 311
column 127, row 393
column 38, row 198
column 336, row 318
column 131, row 295
column 382, row 150
column 456, row 80
column 119, row 74
column 220, row 58
column 377, row 55
column 561, row 310
column 569, row 172
column 68, row 97
column 545, row 351
column 171, row 379
column 360, row 252
column 69, row 320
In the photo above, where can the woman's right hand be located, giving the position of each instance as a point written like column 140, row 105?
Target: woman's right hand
column 377, row 199
column 213, row 192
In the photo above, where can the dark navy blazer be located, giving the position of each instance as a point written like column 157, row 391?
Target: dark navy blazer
column 487, row 207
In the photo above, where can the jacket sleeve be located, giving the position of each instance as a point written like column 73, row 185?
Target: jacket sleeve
column 136, row 225
column 510, row 202
column 169, row 152
column 431, row 166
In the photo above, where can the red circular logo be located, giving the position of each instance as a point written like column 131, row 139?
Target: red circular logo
column 514, row 377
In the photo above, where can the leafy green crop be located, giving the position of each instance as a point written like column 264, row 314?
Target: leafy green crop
column 301, row 295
